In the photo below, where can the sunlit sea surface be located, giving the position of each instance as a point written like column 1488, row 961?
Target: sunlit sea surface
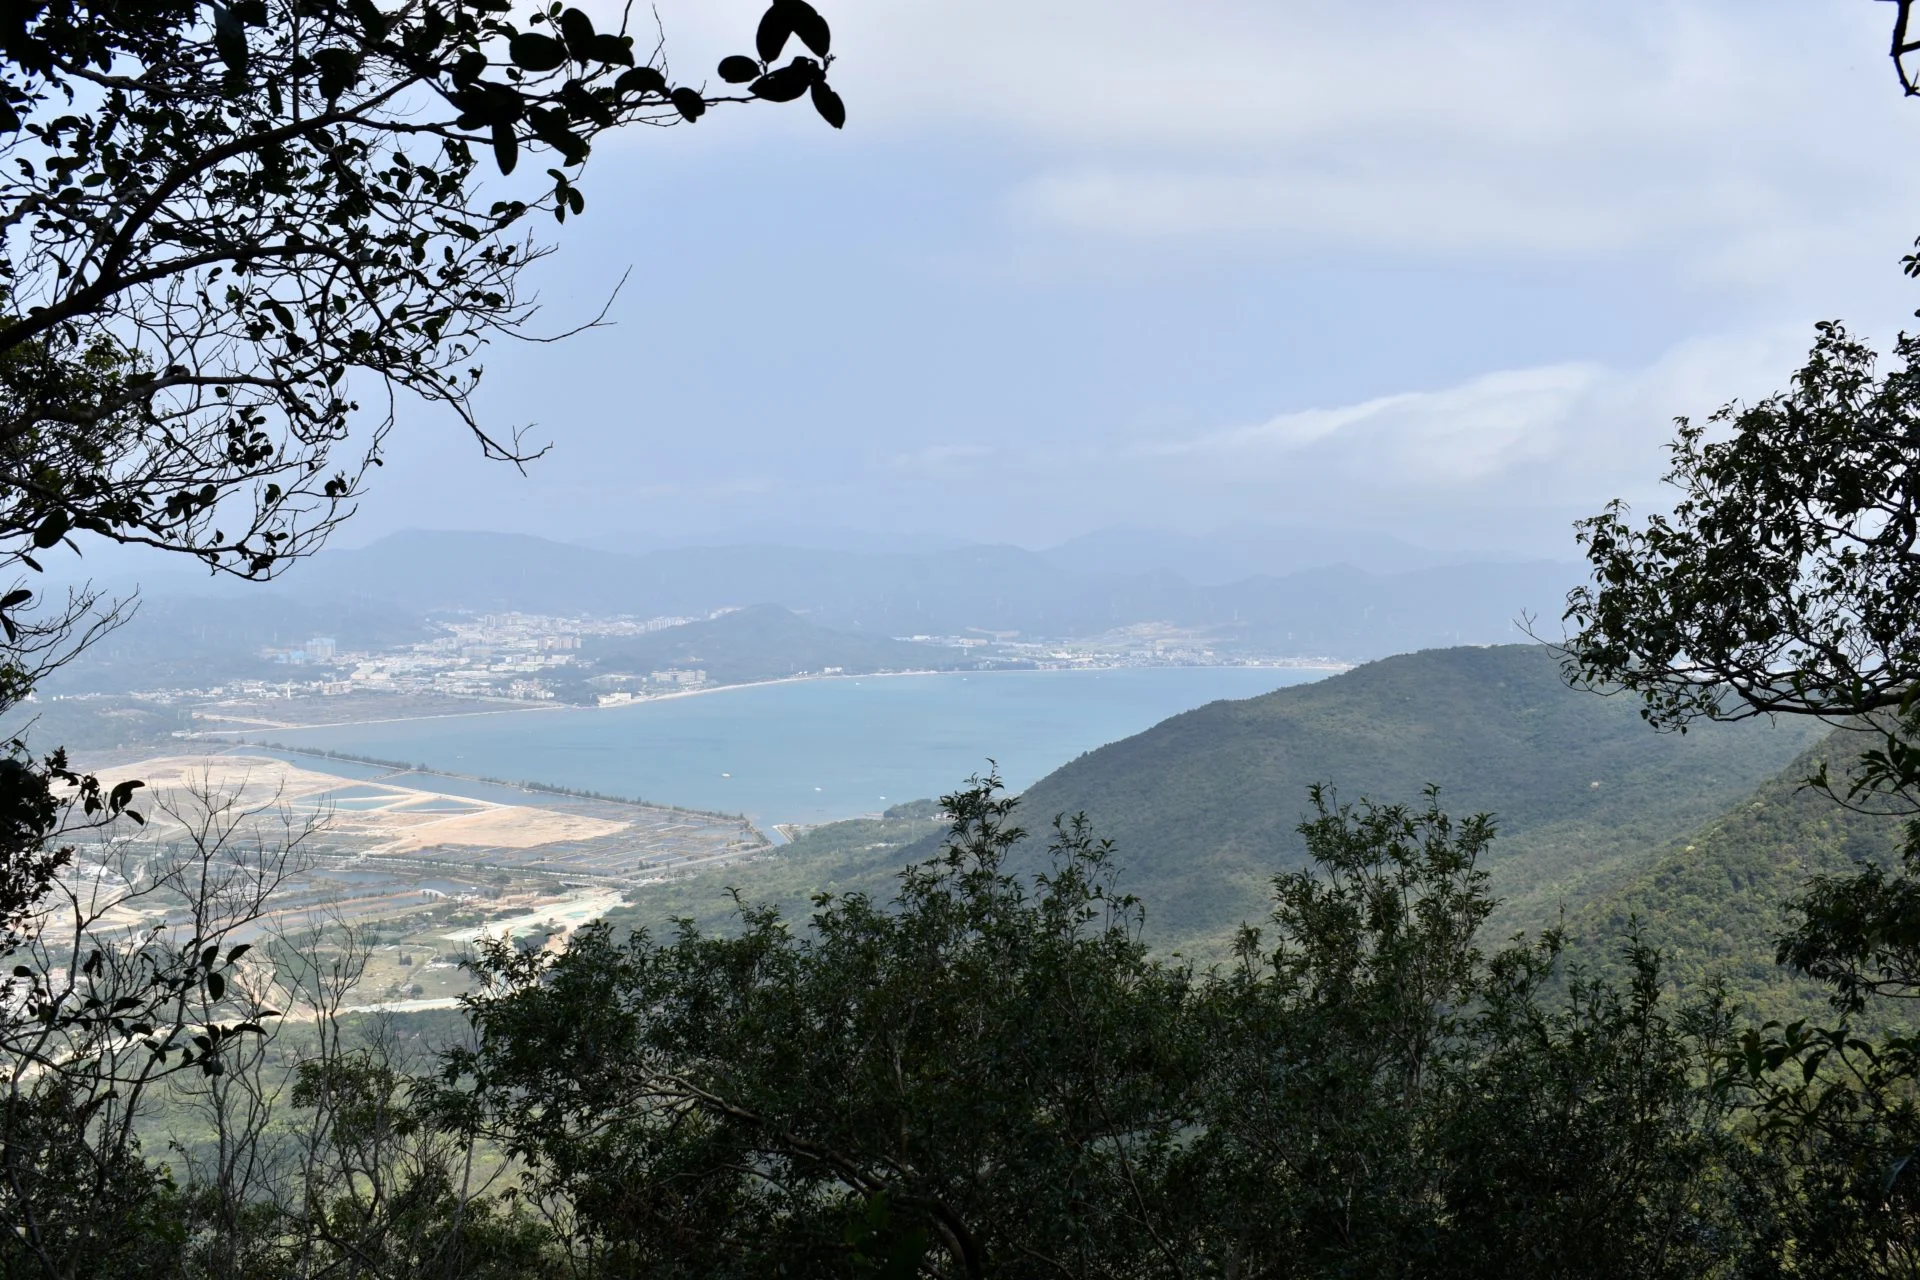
column 809, row 751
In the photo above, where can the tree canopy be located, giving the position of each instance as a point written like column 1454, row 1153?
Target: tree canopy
column 235, row 238
column 991, row 1075
column 1785, row 578
column 238, row 234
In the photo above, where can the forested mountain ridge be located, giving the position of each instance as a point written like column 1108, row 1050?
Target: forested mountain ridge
column 1203, row 807
column 1716, row 900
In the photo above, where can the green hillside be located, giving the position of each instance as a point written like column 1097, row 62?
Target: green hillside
column 1202, row 807
column 1713, row 899
column 763, row 642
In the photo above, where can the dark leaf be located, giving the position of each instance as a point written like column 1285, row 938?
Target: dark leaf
column 550, row 126
column 15, row 598
column 372, row 21
column 738, row 69
column 339, row 71
column 122, row 794
column 229, row 38
column 788, row 83
column 216, row 986
column 641, row 80
column 577, row 27
column 536, row 52
column 506, row 146
column 488, row 104
column 828, row 104
column 239, row 951
column 775, row 26
column 689, row 103
column 612, row 49
column 51, row 530
column 808, row 25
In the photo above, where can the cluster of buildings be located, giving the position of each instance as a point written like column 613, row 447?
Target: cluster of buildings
column 522, row 656
column 320, row 649
column 1144, row 646
column 495, row 655
column 537, row 658
column 622, row 689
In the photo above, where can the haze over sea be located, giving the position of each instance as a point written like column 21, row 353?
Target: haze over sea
column 812, row 750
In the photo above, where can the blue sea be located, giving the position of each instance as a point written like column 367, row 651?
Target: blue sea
column 809, row 751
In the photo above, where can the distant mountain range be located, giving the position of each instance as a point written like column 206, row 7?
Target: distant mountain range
column 1209, row 559
column 777, row 533
column 193, row 629
column 1337, row 612
column 1248, row 551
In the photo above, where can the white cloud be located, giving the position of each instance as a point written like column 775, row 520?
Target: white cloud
column 1507, row 459
column 1730, row 131
column 940, row 459
column 1456, row 435
column 1752, row 148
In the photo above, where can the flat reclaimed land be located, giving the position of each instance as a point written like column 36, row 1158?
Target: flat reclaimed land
column 420, row 864
column 254, row 714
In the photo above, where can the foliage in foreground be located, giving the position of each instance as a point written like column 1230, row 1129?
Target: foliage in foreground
column 990, row 1074
column 996, row 1077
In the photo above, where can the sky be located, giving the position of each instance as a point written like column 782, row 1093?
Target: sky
column 1445, row 272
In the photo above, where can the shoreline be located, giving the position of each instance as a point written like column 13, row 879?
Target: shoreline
column 525, row 787
column 1333, row 668
column 267, row 727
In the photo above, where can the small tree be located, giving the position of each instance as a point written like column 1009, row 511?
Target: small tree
column 986, row 1076
column 128, row 975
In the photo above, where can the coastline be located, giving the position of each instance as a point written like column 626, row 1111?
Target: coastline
column 229, row 735
column 525, row 787
column 811, row 755
column 272, row 727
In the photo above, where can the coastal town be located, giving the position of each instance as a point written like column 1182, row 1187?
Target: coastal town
column 528, row 659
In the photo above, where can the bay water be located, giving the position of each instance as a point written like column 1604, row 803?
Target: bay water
column 807, row 751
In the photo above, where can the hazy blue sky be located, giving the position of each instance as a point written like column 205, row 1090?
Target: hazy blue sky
column 1442, row 270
